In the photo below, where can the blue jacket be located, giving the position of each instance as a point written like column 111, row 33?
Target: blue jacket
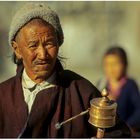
column 129, row 103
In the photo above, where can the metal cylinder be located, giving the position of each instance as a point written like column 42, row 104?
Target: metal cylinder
column 102, row 112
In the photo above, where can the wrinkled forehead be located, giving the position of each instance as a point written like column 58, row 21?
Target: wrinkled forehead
column 37, row 28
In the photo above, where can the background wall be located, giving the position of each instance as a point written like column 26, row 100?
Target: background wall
column 89, row 29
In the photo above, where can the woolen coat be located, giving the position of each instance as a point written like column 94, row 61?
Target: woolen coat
column 70, row 96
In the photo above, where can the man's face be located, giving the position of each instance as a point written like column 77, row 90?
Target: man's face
column 37, row 46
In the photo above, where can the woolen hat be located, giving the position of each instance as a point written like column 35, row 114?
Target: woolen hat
column 33, row 10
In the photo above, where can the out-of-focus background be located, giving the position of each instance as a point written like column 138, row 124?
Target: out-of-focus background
column 89, row 29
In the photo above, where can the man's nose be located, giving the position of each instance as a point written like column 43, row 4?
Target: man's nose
column 42, row 52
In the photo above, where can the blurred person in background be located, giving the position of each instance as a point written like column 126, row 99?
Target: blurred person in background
column 121, row 88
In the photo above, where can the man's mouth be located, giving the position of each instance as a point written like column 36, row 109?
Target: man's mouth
column 42, row 63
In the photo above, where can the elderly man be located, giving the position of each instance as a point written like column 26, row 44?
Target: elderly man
column 42, row 93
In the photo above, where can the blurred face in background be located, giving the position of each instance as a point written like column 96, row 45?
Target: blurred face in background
column 113, row 67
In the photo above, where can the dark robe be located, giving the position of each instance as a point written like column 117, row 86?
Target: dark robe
column 71, row 95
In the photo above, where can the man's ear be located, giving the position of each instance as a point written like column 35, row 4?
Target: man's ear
column 16, row 49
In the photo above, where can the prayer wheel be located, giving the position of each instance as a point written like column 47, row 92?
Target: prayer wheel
column 102, row 111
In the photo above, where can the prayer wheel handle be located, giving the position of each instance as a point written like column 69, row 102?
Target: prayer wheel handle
column 102, row 114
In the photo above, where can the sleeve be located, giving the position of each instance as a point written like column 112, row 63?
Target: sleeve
column 134, row 98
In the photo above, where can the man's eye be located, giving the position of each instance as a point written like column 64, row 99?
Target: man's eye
column 32, row 46
column 49, row 44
